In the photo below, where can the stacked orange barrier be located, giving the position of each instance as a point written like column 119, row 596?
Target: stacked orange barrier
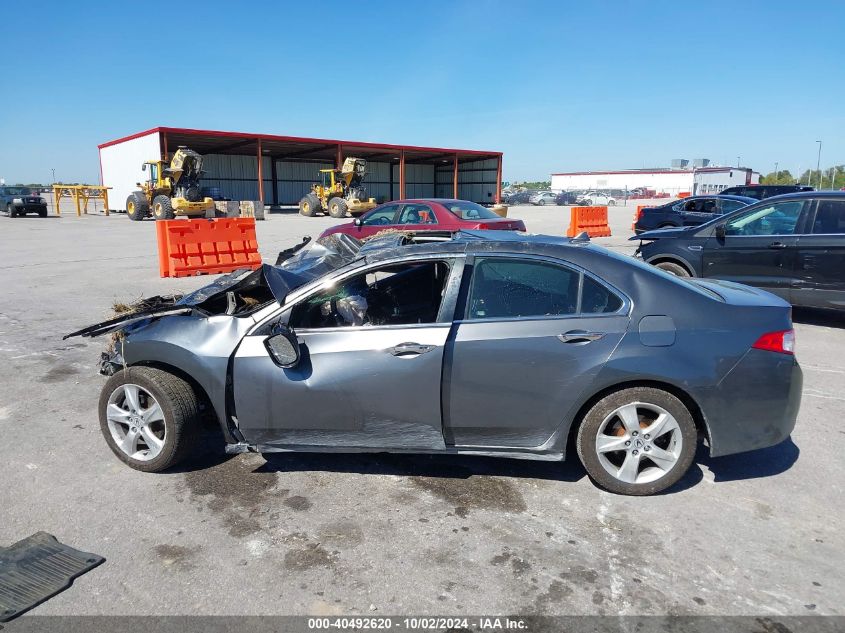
column 593, row 220
column 637, row 215
column 206, row 247
column 684, row 194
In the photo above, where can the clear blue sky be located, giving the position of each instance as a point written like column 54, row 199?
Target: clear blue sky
column 554, row 85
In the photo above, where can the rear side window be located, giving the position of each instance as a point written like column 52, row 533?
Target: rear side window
column 509, row 288
column 830, row 218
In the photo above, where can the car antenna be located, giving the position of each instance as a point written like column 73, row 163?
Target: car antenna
column 582, row 237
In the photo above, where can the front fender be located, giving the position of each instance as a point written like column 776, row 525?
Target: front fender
column 198, row 346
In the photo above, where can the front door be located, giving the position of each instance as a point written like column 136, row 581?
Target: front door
column 532, row 341
column 821, row 258
column 370, row 372
column 759, row 247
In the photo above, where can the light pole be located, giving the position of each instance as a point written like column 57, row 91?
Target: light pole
column 776, row 172
column 819, row 163
column 54, row 176
column 737, row 161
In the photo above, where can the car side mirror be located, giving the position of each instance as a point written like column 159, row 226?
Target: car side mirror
column 283, row 348
column 357, row 222
column 720, row 231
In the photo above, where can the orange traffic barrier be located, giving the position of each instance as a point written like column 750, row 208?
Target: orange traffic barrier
column 593, row 220
column 206, row 247
column 637, row 215
column 684, row 194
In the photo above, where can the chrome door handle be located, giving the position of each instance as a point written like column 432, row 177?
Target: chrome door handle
column 777, row 245
column 576, row 336
column 410, row 349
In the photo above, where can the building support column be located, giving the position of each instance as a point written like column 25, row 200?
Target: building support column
column 499, row 181
column 338, row 163
column 402, row 174
column 164, row 146
column 455, row 178
column 260, row 172
column 274, row 179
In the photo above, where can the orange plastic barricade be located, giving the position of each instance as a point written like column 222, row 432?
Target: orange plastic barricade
column 684, row 194
column 206, row 247
column 593, row 220
column 637, row 215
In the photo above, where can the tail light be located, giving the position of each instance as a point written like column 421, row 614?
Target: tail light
column 782, row 342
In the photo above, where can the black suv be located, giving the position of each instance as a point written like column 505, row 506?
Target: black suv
column 20, row 201
column 761, row 192
column 791, row 245
column 687, row 212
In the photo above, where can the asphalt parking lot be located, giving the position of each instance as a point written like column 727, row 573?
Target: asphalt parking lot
column 753, row 534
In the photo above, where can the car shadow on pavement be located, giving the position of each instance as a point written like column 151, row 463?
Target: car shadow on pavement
column 815, row 316
column 765, row 462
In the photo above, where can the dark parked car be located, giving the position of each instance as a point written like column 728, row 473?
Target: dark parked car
column 761, row 192
column 493, row 343
column 430, row 214
column 567, row 197
column 517, row 197
column 17, row 201
column 688, row 212
column 792, row 245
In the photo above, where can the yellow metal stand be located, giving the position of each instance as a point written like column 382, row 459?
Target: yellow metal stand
column 83, row 192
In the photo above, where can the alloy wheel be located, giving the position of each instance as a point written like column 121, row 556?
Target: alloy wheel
column 136, row 422
column 639, row 443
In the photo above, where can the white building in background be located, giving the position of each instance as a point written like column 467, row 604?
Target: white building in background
column 694, row 181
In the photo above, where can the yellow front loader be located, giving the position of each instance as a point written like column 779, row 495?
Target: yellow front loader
column 341, row 190
column 172, row 189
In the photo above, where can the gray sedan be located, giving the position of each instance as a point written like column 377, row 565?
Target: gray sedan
column 481, row 343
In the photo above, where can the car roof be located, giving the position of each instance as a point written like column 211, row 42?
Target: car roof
column 804, row 195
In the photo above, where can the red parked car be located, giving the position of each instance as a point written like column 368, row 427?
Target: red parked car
column 430, row 214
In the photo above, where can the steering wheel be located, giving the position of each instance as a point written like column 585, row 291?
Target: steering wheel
column 383, row 220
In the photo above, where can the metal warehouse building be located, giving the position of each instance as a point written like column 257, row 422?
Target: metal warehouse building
column 697, row 181
column 279, row 170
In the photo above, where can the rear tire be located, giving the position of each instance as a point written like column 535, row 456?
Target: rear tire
column 178, row 421
column 673, row 268
column 310, row 205
column 611, row 203
column 338, row 208
column 633, row 461
column 163, row 208
column 137, row 207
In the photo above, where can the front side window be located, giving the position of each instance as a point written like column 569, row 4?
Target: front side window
column 466, row 210
column 731, row 205
column 401, row 294
column 779, row 218
column 381, row 216
column 508, row 288
column 417, row 214
column 830, row 218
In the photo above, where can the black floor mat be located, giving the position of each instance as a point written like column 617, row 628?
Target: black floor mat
column 37, row 568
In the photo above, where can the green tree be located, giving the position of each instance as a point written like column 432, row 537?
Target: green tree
column 781, row 177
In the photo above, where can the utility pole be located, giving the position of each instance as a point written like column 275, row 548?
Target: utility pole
column 832, row 175
column 737, row 161
column 54, row 176
column 819, row 163
column 776, row 172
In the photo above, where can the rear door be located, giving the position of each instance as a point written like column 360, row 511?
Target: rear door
column 760, row 247
column 534, row 334
column 370, row 372
column 821, row 258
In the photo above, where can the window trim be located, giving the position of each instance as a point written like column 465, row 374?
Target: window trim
column 463, row 303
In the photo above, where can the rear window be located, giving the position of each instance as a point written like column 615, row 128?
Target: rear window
column 466, row 210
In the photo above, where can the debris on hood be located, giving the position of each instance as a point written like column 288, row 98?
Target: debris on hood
column 241, row 291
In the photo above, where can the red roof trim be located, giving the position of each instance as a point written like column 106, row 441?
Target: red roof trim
column 298, row 139
column 637, row 172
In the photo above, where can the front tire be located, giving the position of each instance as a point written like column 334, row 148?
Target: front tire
column 11, row 211
column 674, row 269
column 310, row 205
column 163, row 208
column 148, row 417
column 137, row 207
column 338, row 208
column 637, row 441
